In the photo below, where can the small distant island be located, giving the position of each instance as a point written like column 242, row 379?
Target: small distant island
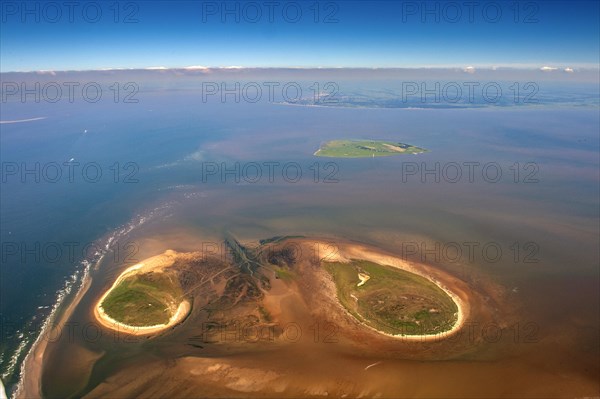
column 365, row 149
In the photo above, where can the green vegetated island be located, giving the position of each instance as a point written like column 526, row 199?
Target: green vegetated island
column 391, row 300
column 365, row 149
column 143, row 299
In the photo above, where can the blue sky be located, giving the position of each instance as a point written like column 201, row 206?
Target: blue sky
column 355, row 34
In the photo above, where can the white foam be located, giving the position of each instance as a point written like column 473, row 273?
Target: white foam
column 2, row 391
column 79, row 277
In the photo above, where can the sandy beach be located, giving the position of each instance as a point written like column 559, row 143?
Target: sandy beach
column 30, row 386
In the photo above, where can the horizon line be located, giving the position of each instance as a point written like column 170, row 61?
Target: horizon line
column 549, row 67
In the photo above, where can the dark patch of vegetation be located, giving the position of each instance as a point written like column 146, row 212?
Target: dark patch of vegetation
column 277, row 239
column 285, row 256
column 264, row 313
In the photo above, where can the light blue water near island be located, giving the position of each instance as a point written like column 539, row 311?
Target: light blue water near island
column 153, row 151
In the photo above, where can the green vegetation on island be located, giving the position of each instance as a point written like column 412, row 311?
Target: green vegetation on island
column 143, row 299
column 365, row 149
column 391, row 300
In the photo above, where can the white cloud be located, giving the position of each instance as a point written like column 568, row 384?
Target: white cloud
column 196, row 67
column 195, row 156
column 548, row 69
column 114, row 69
column 569, row 70
column 469, row 69
column 156, row 68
